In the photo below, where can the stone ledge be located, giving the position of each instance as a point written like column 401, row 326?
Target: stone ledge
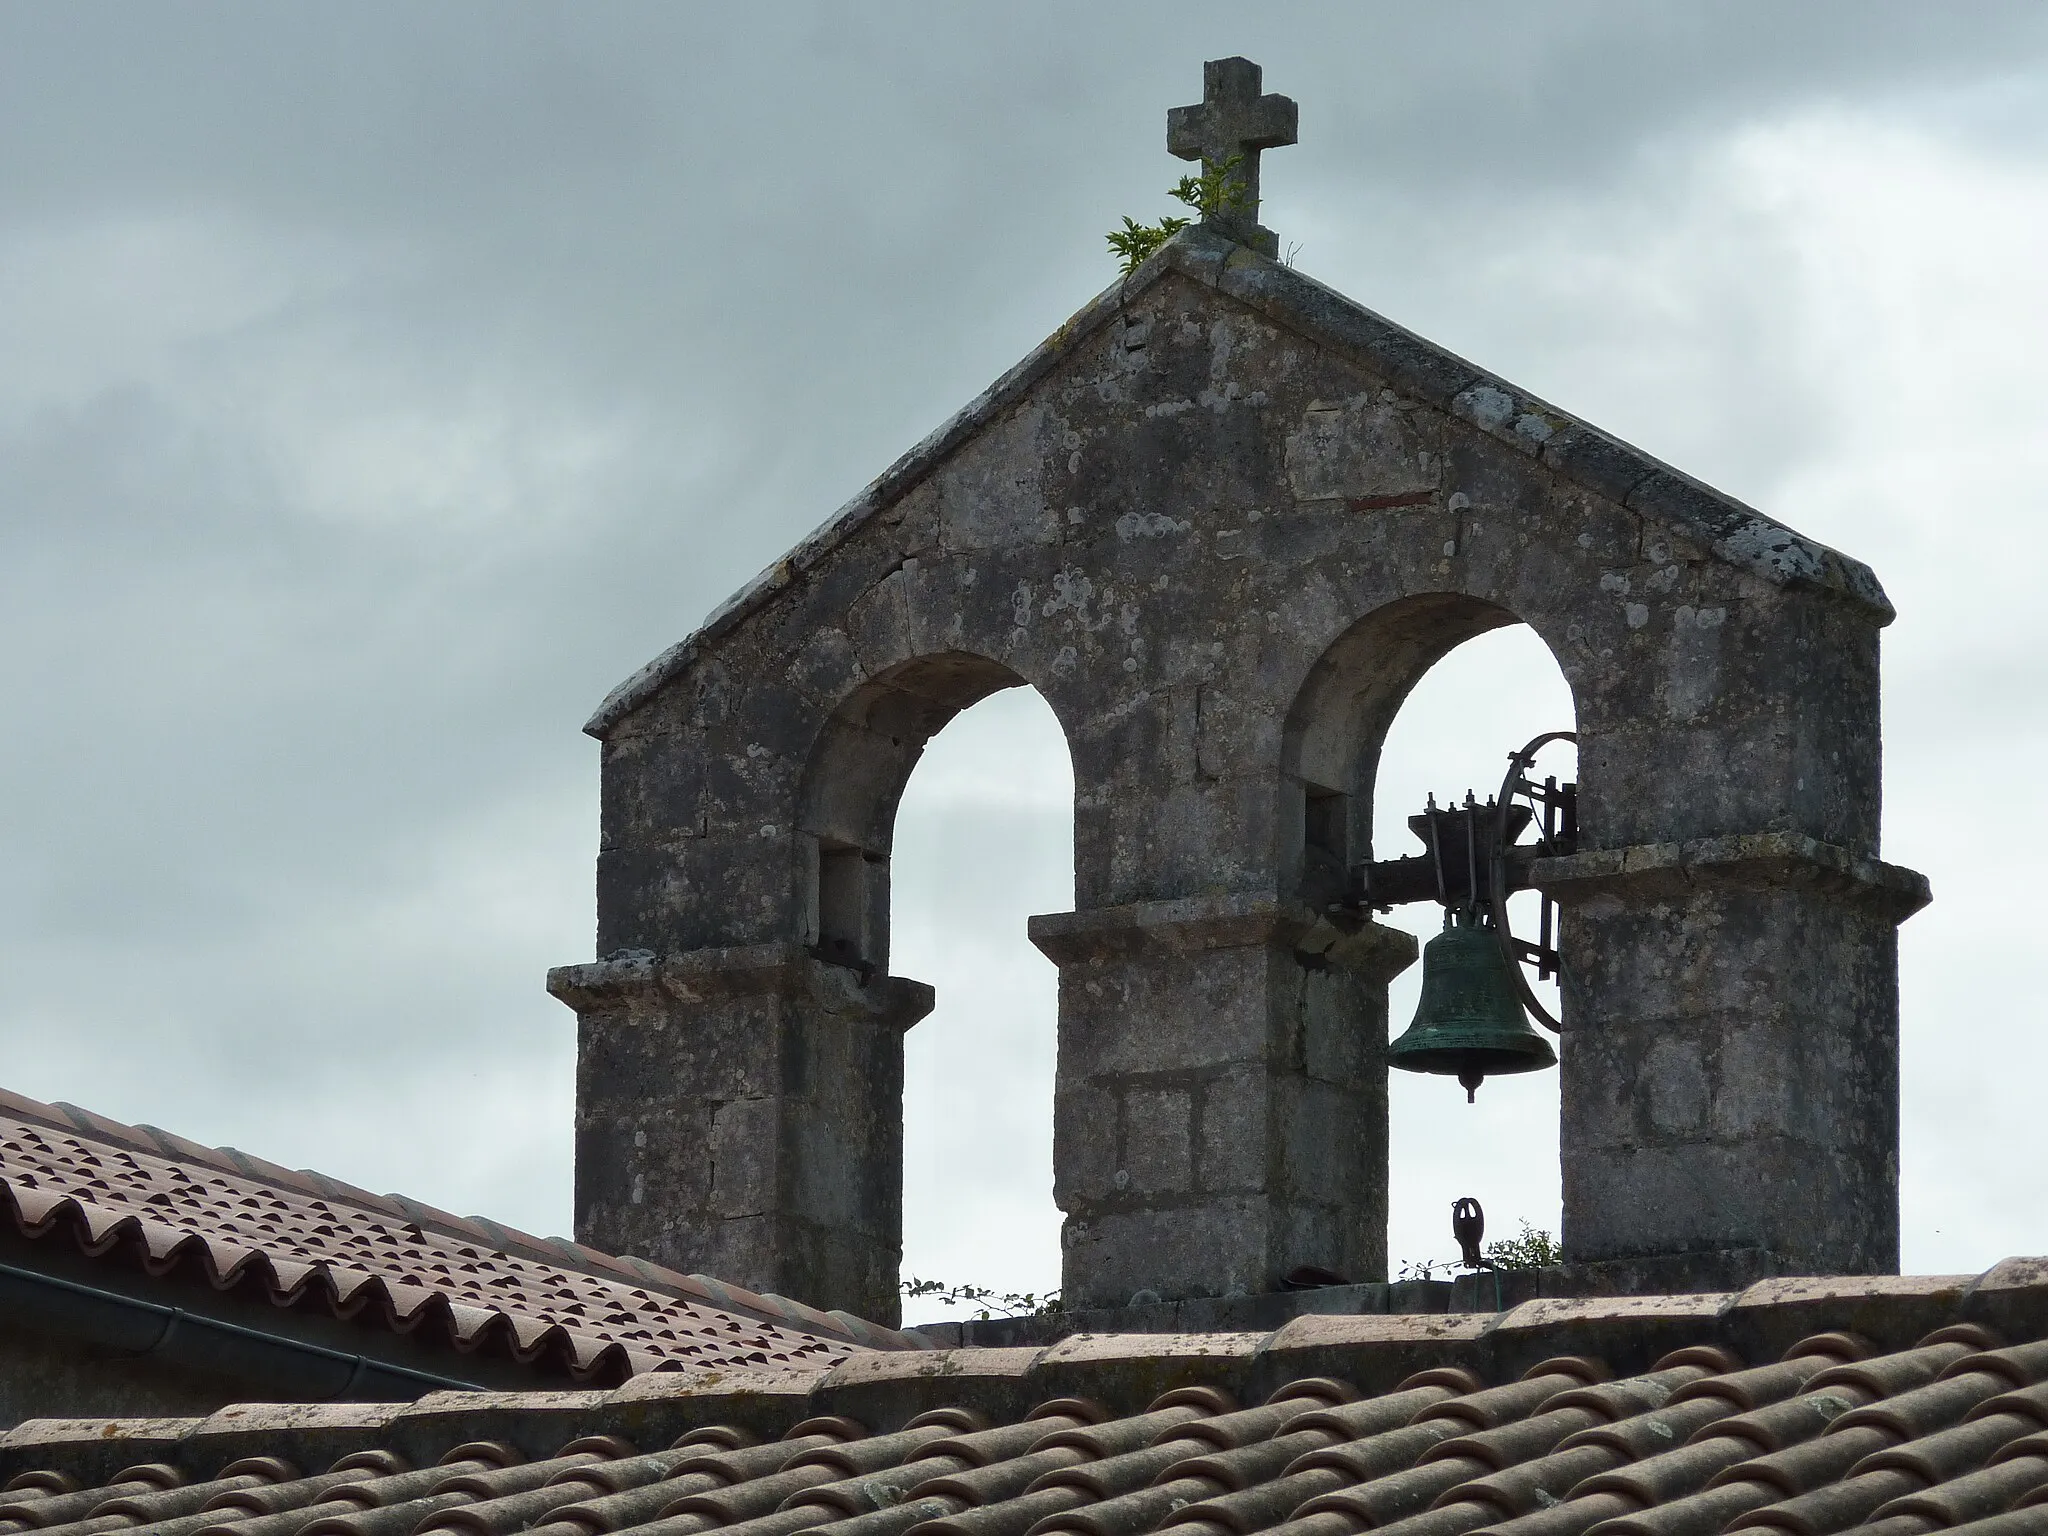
column 1121, row 1371
column 1176, row 926
column 1201, row 1314
column 1635, row 1329
column 1773, row 1315
column 1670, row 1274
column 2008, row 1296
column 1375, row 1353
column 1755, row 860
column 1189, row 924
column 1481, row 1291
column 93, row 1450
column 640, row 982
column 638, row 976
column 424, row 1431
column 324, row 1431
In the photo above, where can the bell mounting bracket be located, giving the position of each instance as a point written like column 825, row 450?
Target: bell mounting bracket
column 1477, row 859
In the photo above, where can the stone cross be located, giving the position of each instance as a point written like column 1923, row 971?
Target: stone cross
column 1233, row 119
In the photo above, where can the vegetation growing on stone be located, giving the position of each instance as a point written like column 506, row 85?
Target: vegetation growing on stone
column 988, row 1303
column 1217, row 192
column 1530, row 1248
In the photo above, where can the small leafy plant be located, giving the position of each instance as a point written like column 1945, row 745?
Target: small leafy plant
column 1135, row 241
column 1530, row 1248
column 1219, row 190
column 988, row 1304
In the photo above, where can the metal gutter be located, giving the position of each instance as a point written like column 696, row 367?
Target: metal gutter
column 140, row 1328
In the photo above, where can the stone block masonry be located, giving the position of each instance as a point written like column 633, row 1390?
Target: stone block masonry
column 1223, row 521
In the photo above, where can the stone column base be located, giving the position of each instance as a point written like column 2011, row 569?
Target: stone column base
column 1731, row 1052
column 740, row 1112
column 1220, row 1112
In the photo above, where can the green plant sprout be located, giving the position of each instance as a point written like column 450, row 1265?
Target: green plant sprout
column 1218, row 191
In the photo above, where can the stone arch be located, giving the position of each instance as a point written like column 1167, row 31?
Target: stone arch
column 1330, row 743
column 1338, row 758
column 1336, row 728
column 851, row 785
column 983, row 841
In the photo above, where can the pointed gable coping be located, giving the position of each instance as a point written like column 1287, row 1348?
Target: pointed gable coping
column 1736, row 534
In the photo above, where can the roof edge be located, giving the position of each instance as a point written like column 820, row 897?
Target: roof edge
column 1843, row 1315
column 1600, row 462
column 560, row 1253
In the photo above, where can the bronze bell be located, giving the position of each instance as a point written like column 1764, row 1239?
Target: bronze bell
column 1469, row 1023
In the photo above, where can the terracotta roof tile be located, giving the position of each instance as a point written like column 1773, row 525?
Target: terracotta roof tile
column 1885, row 1429
column 165, row 1204
column 1950, row 1433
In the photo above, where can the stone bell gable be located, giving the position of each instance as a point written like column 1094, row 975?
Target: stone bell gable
column 1223, row 521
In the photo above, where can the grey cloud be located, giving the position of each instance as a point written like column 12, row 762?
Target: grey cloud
column 385, row 382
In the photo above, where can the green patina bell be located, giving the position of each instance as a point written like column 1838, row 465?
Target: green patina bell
column 1469, row 1023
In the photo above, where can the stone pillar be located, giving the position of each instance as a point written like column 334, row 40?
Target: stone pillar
column 1220, row 1111
column 1731, row 1067
column 739, row 1112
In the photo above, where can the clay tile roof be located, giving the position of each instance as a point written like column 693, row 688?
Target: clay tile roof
column 1325, row 1428
column 288, row 1239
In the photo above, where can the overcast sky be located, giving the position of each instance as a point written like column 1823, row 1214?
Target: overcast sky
column 379, row 384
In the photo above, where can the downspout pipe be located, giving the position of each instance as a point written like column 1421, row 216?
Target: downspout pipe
column 140, row 1329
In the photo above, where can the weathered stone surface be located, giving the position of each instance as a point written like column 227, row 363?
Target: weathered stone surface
column 1737, row 1034
column 1221, row 1112
column 1224, row 521
column 740, row 1113
column 1891, row 1311
column 1225, row 131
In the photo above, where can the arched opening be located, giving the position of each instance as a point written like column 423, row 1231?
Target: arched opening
column 938, row 817
column 984, row 840
column 1428, row 696
column 1454, row 732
